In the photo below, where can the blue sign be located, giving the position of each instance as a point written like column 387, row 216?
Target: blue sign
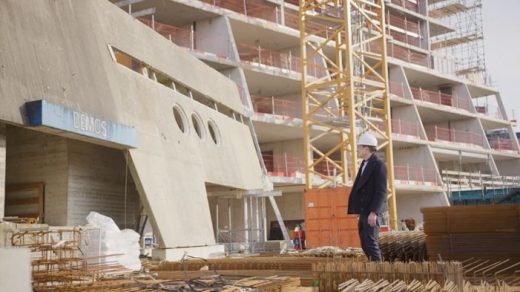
column 44, row 113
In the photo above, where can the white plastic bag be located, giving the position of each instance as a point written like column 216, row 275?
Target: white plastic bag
column 116, row 241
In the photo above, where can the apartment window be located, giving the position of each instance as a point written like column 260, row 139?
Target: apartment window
column 180, row 118
column 214, row 132
column 129, row 62
column 198, row 125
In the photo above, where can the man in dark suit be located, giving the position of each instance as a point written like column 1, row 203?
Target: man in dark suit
column 368, row 195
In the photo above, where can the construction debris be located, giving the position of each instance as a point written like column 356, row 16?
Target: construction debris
column 490, row 232
column 403, row 246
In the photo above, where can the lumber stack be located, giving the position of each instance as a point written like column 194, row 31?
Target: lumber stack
column 482, row 232
column 331, row 274
column 431, row 286
column 283, row 263
column 403, row 246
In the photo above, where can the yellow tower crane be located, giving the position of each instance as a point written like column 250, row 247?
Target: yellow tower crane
column 344, row 89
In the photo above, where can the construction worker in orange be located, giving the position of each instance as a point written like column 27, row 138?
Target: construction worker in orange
column 298, row 238
column 368, row 195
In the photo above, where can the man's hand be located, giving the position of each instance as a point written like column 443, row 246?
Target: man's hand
column 372, row 218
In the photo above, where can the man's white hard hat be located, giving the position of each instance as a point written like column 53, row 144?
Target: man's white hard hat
column 367, row 139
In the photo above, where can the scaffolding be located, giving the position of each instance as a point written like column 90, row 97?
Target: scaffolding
column 465, row 45
column 355, row 92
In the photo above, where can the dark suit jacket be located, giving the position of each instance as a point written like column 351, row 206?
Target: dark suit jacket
column 369, row 190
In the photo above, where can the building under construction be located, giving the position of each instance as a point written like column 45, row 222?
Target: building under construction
column 197, row 120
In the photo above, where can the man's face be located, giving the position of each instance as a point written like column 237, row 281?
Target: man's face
column 362, row 151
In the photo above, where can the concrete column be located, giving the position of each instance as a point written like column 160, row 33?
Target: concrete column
column 3, row 147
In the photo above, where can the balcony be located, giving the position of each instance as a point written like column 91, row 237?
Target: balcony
column 250, row 8
column 415, row 175
column 440, row 98
column 403, row 54
column 285, row 165
column 435, row 133
column 406, row 4
column 501, row 144
column 282, row 60
column 401, row 127
column 489, row 111
column 185, row 37
column 286, row 109
column 396, row 88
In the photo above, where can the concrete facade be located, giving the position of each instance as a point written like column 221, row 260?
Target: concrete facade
column 258, row 49
column 76, row 68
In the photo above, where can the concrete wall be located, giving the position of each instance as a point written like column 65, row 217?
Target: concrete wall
column 414, row 156
column 409, row 205
column 15, row 269
column 67, row 60
column 508, row 167
column 293, row 148
column 290, row 205
column 37, row 157
column 2, row 168
column 215, row 36
column 96, row 182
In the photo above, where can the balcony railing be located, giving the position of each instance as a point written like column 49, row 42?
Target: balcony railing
column 285, row 165
column 416, row 175
column 501, row 144
column 250, row 8
column 490, row 111
column 440, row 98
column 405, row 128
column 276, row 106
column 404, row 23
column 402, row 127
column 456, row 136
column 396, row 88
column 412, row 6
column 185, row 37
column 282, row 60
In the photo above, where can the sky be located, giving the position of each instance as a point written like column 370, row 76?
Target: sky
column 502, row 48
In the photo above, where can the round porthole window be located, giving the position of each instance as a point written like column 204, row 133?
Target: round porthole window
column 198, row 125
column 214, row 132
column 180, row 118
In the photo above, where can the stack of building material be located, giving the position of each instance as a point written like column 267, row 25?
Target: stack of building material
column 291, row 266
column 330, row 251
column 330, row 274
column 431, row 286
column 481, row 232
column 403, row 246
column 58, row 261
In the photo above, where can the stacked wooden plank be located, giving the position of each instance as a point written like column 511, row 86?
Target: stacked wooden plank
column 481, row 232
column 431, row 286
column 330, row 274
column 403, row 246
column 283, row 263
